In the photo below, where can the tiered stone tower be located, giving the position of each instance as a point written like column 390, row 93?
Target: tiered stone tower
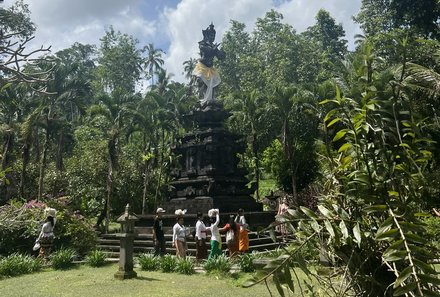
column 208, row 176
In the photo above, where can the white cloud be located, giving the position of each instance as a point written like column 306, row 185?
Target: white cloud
column 186, row 21
column 62, row 22
column 301, row 13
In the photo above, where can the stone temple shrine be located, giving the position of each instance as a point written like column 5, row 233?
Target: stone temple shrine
column 208, row 175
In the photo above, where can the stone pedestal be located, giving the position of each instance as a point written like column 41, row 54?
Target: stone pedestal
column 126, row 257
column 207, row 175
column 126, row 239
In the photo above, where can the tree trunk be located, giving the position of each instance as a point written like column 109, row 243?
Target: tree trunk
column 160, row 168
column 144, row 193
column 257, row 176
column 59, row 158
column 257, row 165
column 43, row 165
column 25, row 162
column 294, row 168
column 146, row 181
column 111, row 168
column 327, row 147
column 107, row 205
column 7, row 147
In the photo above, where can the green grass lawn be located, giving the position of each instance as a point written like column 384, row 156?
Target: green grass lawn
column 87, row 281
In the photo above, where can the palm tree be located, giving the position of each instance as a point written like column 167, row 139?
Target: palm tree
column 163, row 81
column 291, row 106
column 66, row 89
column 153, row 62
column 250, row 114
column 188, row 67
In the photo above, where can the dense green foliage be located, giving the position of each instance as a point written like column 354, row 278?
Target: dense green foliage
column 352, row 135
column 17, row 264
column 245, row 262
column 21, row 225
column 185, row 266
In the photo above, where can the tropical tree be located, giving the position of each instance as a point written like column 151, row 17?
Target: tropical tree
column 153, row 61
column 371, row 200
column 298, row 125
column 188, row 67
column 249, row 118
column 116, row 77
column 378, row 16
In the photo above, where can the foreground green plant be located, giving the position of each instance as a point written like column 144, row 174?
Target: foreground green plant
column 368, row 225
column 246, row 262
column 221, row 264
column 185, row 266
column 149, row 262
column 17, row 264
column 168, row 263
column 96, row 258
column 62, row 258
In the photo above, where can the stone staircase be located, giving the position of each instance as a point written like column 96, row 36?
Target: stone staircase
column 143, row 243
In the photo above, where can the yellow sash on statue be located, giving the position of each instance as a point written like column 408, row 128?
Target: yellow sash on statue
column 204, row 71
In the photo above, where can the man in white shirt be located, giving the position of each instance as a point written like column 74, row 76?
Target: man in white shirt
column 179, row 235
column 201, row 250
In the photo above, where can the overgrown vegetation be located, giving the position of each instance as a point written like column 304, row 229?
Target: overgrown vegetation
column 185, row 266
column 21, row 225
column 351, row 135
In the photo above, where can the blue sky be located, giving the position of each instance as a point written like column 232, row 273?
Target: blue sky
column 172, row 25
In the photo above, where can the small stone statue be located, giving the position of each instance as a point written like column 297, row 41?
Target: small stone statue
column 207, row 77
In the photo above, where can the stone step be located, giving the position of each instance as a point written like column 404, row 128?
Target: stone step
column 113, row 251
column 141, row 242
column 149, row 236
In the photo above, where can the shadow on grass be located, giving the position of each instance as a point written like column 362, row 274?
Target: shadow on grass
column 147, row 278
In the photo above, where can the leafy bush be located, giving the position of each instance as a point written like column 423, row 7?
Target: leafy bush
column 75, row 233
column 63, row 258
column 96, row 258
column 432, row 232
column 21, row 224
column 149, row 262
column 168, row 263
column 246, row 262
column 220, row 264
column 185, row 266
column 19, row 228
column 17, row 264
